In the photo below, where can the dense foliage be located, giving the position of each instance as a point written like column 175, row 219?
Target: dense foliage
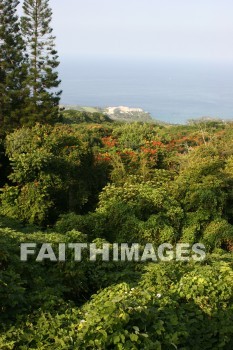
column 52, row 171
column 87, row 179
column 111, row 182
column 153, row 306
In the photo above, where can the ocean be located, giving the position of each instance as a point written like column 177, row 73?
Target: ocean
column 171, row 91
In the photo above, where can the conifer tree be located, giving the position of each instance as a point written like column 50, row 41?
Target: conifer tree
column 43, row 103
column 13, row 68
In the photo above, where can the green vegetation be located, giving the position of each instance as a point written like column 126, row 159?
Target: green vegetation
column 121, row 114
column 111, row 182
column 88, row 179
column 13, row 67
column 42, row 105
column 28, row 63
column 72, row 116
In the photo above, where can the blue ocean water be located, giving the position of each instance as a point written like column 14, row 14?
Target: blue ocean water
column 169, row 91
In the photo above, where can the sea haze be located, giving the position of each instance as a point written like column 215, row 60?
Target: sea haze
column 169, row 91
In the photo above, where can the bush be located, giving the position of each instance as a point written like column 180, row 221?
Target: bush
column 173, row 306
column 51, row 173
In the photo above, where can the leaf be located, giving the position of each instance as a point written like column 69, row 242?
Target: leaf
column 136, row 329
column 133, row 337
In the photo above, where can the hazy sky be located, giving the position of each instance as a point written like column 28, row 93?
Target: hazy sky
column 171, row 29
